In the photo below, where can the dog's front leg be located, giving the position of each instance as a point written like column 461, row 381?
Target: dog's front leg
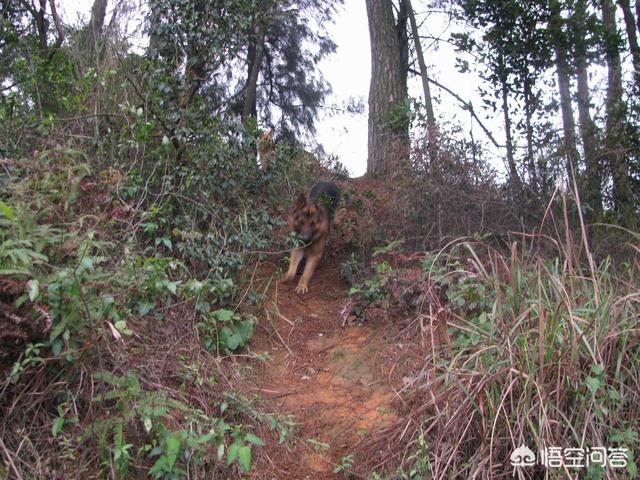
column 296, row 258
column 303, row 284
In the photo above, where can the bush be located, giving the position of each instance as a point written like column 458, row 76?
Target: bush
column 535, row 354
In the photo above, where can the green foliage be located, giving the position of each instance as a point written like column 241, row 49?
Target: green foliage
column 22, row 243
column 284, row 425
column 130, row 192
column 419, row 461
column 224, row 330
column 373, row 288
column 349, row 268
column 172, row 450
column 49, row 83
column 399, row 117
column 30, row 358
column 346, row 462
column 101, row 290
column 318, row 446
column 467, row 295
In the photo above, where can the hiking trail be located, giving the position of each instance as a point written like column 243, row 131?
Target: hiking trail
column 334, row 380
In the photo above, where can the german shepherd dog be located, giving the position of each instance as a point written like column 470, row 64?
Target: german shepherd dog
column 311, row 219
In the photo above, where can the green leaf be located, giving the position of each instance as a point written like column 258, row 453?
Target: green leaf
column 244, row 455
column 173, row 286
column 173, row 448
column 7, row 211
column 58, row 329
column 317, row 446
column 232, row 453
column 223, row 315
column 145, row 307
column 121, row 326
column 593, row 384
column 251, row 438
column 86, row 264
column 56, row 347
column 156, row 451
column 230, row 338
column 13, row 271
column 57, row 426
column 159, row 467
column 159, row 411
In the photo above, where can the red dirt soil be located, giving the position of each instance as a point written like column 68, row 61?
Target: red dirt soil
column 335, row 380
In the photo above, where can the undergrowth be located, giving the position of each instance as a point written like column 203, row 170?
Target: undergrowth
column 530, row 350
column 122, row 292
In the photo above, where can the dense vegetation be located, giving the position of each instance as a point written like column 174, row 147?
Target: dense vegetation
column 135, row 213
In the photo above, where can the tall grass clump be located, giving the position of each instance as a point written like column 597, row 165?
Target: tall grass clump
column 540, row 351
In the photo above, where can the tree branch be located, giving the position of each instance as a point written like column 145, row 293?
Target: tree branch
column 30, row 8
column 467, row 105
column 58, row 23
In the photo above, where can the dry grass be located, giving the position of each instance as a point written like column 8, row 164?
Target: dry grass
column 543, row 352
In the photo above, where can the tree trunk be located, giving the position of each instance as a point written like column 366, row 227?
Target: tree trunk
column 592, row 181
column 615, row 122
column 48, row 99
column 42, row 26
column 514, row 178
column 98, row 13
column 403, row 40
column 564, row 89
column 528, row 114
column 568, row 120
column 431, row 119
column 254, row 61
column 513, row 170
column 388, row 119
column 632, row 38
column 194, row 75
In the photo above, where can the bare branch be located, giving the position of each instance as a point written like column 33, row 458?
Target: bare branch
column 31, row 8
column 469, row 106
column 58, row 23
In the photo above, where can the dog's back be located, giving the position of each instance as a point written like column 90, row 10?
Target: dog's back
column 328, row 194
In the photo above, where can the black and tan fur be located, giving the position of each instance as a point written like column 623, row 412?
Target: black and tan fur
column 311, row 218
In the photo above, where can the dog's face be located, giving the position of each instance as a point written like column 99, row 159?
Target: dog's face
column 308, row 219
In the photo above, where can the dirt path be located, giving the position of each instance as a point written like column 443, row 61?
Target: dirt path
column 334, row 380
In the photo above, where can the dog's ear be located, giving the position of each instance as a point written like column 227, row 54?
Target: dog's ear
column 301, row 201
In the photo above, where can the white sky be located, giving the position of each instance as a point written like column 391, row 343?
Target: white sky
column 348, row 71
